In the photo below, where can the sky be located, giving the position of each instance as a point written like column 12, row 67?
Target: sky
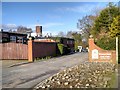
column 54, row 17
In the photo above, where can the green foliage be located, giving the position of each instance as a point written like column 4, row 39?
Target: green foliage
column 42, row 58
column 105, row 19
column 78, row 39
column 106, row 43
column 105, row 25
column 115, row 27
column 61, row 48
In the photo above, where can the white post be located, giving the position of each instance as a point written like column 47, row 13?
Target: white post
column 117, row 49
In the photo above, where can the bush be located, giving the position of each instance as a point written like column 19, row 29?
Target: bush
column 106, row 43
column 61, row 48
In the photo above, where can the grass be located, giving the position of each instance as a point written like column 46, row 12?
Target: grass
column 113, row 83
column 43, row 58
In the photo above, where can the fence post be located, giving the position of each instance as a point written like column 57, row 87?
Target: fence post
column 30, row 50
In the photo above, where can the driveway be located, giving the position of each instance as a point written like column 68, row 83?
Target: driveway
column 28, row 75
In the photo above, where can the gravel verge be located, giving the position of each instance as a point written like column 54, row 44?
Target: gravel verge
column 85, row 75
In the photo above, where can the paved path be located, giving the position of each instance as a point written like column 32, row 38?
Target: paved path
column 28, row 75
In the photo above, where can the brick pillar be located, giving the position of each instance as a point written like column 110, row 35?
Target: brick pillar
column 91, row 46
column 30, row 50
column 114, row 57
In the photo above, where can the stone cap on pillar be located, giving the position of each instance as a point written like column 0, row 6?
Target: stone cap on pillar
column 91, row 36
column 30, row 38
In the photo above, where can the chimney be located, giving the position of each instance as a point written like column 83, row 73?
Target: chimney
column 39, row 31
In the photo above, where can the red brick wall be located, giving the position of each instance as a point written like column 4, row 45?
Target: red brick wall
column 38, row 49
column 103, row 55
column 13, row 51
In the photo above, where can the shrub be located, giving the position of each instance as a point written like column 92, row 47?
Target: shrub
column 61, row 48
column 106, row 43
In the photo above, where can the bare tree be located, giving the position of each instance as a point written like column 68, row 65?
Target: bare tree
column 61, row 34
column 22, row 29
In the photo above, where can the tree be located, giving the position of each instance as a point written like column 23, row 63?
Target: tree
column 22, row 29
column 69, row 34
column 78, row 39
column 61, row 34
column 85, row 24
column 102, row 25
column 104, row 20
column 115, row 32
column 115, row 27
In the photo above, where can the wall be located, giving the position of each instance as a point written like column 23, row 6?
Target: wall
column 14, row 51
column 37, row 49
column 96, row 54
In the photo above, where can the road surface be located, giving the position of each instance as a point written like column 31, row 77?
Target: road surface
column 28, row 75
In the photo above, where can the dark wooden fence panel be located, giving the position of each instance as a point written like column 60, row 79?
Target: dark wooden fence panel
column 14, row 51
column 42, row 49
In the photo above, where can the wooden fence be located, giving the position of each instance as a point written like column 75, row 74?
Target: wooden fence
column 13, row 51
column 37, row 49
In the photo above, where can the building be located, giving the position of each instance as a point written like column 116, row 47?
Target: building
column 6, row 37
column 37, row 34
column 69, row 42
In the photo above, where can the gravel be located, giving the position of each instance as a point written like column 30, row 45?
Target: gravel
column 86, row 75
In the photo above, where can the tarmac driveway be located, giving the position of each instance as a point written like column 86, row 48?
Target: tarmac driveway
column 28, row 75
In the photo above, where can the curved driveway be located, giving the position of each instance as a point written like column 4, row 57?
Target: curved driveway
column 28, row 75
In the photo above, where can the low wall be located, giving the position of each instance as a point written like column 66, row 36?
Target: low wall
column 37, row 49
column 96, row 54
column 13, row 51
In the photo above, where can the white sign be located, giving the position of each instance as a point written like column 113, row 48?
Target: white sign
column 95, row 54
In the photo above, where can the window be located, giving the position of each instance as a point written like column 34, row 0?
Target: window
column 71, row 42
column 13, row 38
column 19, row 39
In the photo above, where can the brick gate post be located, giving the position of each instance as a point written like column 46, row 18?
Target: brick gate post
column 30, row 50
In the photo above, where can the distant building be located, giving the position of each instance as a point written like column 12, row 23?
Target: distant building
column 39, row 31
column 37, row 34
column 6, row 37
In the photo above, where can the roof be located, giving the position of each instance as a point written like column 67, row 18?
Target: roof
column 12, row 33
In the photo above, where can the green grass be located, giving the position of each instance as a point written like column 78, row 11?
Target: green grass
column 43, row 58
column 113, row 82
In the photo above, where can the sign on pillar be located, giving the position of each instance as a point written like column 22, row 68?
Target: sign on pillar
column 95, row 54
